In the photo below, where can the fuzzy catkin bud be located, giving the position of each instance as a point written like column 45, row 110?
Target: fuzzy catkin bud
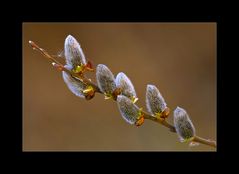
column 105, row 79
column 129, row 111
column 124, row 83
column 183, row 125
column 75, row 85
column 73, row 53
column 154, row 100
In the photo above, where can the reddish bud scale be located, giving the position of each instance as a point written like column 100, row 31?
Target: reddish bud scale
column 165, row 113
column 140, row 121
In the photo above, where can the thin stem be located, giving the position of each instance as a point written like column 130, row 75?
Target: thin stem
column 42, row 51
column 205, row 141
column 161, row 121
column 96, row 88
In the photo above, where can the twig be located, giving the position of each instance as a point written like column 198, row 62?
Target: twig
column 83, row 79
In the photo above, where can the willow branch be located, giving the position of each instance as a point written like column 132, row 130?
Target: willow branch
column 85, row 80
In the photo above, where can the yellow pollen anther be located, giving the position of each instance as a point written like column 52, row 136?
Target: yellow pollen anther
column 134, row 99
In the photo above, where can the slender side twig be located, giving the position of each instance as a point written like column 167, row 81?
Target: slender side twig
column 85, row 80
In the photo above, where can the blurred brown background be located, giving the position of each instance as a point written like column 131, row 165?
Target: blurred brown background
column 179, row 58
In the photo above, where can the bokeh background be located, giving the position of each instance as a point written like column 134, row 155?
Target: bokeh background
column 179, row 58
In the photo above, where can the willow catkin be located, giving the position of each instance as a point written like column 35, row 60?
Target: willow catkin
column 76, row 86
column 183, row 125
column 125, row 84
column 129, row 111
column 105, row 79
column 73, row 53
column 154, row 100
